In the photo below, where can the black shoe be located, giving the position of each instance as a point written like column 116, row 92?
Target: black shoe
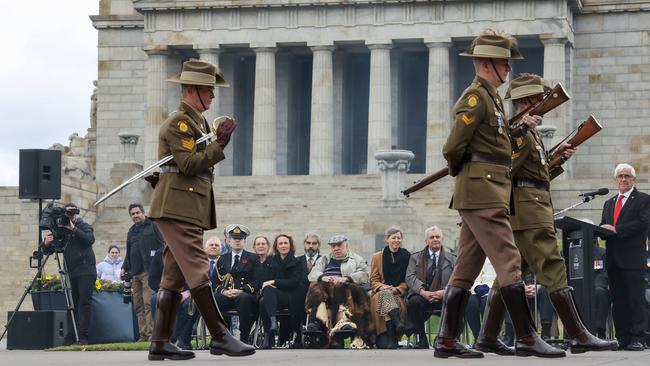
column 533, row 345
column 397, row 322
column 634, row 346
column 497, row 347
column 422, row 343
column 159, row 351
column 452, row 348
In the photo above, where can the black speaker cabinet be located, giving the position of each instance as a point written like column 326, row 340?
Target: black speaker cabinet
column 36, row 329
column 40, row 174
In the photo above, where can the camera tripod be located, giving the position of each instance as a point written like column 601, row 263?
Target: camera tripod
column 65, row 285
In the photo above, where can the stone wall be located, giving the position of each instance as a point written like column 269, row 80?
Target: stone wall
column 611, row 81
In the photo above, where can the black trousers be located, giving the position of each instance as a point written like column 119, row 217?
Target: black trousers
column 603, row 304
column 274, row 299
column 474, row 313
column 246, row 306
column 627, row 287
column 416, row 307
column 82, row 297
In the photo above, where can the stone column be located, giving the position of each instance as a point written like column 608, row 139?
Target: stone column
column 321, row 143
column 264, row 119
column 438, row 104
column 211, row 55
column 156, row 109
column 379, row 114
column 554, row 72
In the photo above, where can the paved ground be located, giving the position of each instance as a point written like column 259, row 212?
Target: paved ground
column 311, row 358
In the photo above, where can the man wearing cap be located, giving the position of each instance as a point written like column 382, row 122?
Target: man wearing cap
column 336, row 302
column 534, row 229
column 183, row 207
column 478, row 154
column 238, row 281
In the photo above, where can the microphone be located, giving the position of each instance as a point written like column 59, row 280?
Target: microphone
column 599, row 192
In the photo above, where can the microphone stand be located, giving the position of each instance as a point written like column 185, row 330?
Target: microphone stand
column 585, row 199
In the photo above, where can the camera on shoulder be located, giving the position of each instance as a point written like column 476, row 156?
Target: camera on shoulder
column 54, row 218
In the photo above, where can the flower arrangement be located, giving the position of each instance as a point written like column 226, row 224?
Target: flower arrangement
column 47, row 283
column 110, row 287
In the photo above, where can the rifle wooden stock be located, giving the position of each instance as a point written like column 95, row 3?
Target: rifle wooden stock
column 552, row 99
column 584, row 132
column 426, row 181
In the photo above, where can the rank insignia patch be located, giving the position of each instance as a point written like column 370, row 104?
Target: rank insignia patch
column 468, row 120
column 182, row 126
column 472, row 100
column 520, row 141
column 188, row 143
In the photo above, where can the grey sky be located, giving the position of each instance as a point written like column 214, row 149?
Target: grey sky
column 48, row 65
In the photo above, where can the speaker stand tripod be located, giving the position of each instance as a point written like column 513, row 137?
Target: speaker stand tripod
column 65, row 285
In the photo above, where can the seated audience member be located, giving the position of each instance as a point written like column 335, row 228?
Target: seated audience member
column 426, row 276
column 336, row 302
column 281, row 289
column 478, row 299
column 108, row 271
column 238, row 276
column 388, row 283
column 212, row 248
column 262, row 248
column 186, row 316
column 311, row 246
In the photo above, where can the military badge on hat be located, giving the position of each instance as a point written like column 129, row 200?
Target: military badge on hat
column 237, row 231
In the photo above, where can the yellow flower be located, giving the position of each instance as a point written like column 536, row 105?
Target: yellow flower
column 98, row 284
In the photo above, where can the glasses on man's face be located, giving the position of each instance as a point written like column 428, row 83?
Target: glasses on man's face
column 624, row 177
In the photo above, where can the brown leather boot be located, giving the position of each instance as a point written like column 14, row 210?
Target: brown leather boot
column 447, row 345
column 528, row 343
column 222, row 341
column 581, row 339
column 160, row 348
column 488, row 340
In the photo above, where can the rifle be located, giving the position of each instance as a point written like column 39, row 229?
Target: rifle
column 579, row 135
column 552, row 99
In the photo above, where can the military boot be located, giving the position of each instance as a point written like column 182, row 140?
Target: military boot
column 488, row 339
column 447, row 345
column 527, row 342
column 160, row 348
column 581, row 339
column 222, row 341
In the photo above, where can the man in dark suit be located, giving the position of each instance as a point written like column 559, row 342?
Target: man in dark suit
column 312, row 253
column 427, row 276
column 238, row 282
column 627, row 216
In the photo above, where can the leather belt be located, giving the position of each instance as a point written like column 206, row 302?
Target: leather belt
column 486, row 158
column 174, row 169
column 530, row 183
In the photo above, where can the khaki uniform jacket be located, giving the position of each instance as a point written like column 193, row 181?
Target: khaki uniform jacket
column 185, row 196
column 355, row 268
column 533, row 206
column 480, row 126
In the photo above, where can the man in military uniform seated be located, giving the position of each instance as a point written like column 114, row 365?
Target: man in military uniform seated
column 337, row 304
column 237, row 283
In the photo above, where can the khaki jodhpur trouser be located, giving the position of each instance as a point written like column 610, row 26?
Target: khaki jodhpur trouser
column 184, row 259
column 541, row 255
column 486, row 232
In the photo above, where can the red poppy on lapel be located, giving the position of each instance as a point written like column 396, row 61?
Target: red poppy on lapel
column 244, row 261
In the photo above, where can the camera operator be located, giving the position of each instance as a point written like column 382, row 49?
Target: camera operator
column 80, row 263
column 142, row 241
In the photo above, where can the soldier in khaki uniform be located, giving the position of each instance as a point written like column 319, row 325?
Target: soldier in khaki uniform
column 478, row 154
column 183, row 206
column 534, row 230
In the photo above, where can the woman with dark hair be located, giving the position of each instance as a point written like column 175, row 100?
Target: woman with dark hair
column 388, row 283
column 280, row 288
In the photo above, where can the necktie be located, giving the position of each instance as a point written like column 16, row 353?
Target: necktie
column 310, row 264
column 617, row 209
column 236, row 260
column 211, row 271
column 431, row 270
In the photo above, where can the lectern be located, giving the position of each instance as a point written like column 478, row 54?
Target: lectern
column 577, row 249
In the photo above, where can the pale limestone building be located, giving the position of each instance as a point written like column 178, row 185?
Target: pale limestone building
column 319, row 86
